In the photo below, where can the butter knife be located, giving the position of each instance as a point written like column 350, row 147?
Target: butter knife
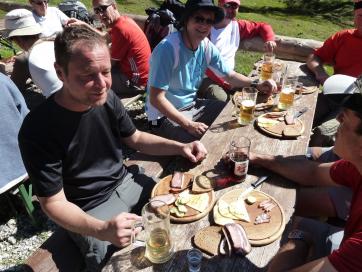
column 253, row 186
column 300, row 112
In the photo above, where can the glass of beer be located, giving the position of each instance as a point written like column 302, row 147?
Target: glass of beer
column 156, row 233
column 286, row 96
column 239, row 156
column 267, row 66
column 247, row 107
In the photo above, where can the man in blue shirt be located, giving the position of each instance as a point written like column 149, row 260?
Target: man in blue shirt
column 178, row 65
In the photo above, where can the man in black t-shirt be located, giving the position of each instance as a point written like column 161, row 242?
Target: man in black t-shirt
column 72, row 149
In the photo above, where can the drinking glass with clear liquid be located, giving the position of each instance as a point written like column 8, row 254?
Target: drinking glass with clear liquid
column 267, row 66
column 239, row 156
column 157, row 231
column 247, row 105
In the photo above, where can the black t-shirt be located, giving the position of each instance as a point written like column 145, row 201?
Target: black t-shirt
column 78, row 151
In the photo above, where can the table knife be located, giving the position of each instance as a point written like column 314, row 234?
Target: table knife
column 300, row 112
column 252, row 187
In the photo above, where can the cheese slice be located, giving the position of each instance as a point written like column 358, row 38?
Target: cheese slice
column 219, row 219
column 266, row 122
column 238, row 209
column 198, row 202
column 224, row 210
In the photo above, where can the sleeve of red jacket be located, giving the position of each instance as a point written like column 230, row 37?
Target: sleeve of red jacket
column 250, row 29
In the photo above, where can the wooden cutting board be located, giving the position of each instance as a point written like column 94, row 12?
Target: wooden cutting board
column 277, row 129
column 163, row 187
column 309, row 89
column 261, row 234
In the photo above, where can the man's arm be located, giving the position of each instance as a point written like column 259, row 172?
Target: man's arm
column 159, row 101
column 117, row 230
column 154, row 145
column 302, row 171
column 315, row 64
column 238, row 80
column 293, row 254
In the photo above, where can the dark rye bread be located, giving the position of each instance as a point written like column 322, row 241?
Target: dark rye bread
column 208, row 239
column 202, row 184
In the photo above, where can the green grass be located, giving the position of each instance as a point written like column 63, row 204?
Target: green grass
column 312, row 19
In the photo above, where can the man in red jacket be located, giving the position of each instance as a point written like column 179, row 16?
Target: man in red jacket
column 130, row 50
column 314, row 245
column 227, row 35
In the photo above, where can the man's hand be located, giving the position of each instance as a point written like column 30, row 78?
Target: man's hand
column 194, row 151
column 267, row 87
column 74, row 22
column 118, row 230
column 196, row 128
column 270, row 46
column 321, row 77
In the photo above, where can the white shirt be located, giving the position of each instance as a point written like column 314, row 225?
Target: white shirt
column 227, row 40
column 41, row 67
column 52, row 22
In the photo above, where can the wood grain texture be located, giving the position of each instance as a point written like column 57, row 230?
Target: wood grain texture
column 217, row 140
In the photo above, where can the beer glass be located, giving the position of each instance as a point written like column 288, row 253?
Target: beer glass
column 267, row 66
column 286, row 96
column 157, row 231
column 239, row 156
column 247, row 106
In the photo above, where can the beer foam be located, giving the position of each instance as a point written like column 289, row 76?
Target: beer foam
column 288, row 90
column 248, row 103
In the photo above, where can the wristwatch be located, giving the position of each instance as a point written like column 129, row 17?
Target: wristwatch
column 254, row 84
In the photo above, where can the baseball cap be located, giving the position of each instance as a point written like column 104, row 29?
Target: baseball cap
column 223, row 2
column 20, row 22
column 346, row 85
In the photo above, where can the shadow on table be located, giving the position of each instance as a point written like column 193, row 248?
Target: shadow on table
column 217, row 128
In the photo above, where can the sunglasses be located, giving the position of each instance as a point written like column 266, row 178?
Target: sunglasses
column 101, row 9
column 231, row 5
column 202, row 20
column 40, row 3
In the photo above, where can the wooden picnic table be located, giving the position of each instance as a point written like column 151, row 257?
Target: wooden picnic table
column 217, row 140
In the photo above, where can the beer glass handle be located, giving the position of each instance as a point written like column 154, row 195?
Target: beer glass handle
column 136, row 242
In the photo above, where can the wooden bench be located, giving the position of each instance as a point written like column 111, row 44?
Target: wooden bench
column 59, row 252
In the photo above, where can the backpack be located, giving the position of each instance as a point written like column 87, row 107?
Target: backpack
column 75, row 9
column 161, row 22
column 158, row 25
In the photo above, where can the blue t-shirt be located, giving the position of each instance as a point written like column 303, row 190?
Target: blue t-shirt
column 179, row 71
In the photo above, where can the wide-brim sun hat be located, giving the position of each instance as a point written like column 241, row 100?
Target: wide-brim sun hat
column 192, row 6
column 223, row 2
column 20, row 22
column 345, row 85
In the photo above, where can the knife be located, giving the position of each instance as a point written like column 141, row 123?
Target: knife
column 253, row 186
column 300, row 112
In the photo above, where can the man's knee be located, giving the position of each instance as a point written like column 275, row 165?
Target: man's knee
column 95, row 252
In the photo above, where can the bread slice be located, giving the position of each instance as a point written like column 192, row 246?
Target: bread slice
column 202, row 184
column 292, row 131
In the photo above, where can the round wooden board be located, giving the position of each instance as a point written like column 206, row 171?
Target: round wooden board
column 261, row 234
column 282, row 125
column 163, row 187
column 309, row 90
column 266, row 105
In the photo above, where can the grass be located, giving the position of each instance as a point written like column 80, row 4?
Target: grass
column 312, row 19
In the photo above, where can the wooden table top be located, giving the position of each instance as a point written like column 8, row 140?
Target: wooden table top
column 217, row 140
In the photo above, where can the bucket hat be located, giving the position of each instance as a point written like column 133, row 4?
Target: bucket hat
column 192, row 6
column 223, row 2
column 20, row 22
